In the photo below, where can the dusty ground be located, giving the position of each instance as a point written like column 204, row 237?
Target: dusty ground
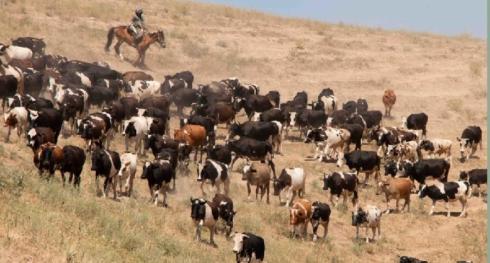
column 441, row 76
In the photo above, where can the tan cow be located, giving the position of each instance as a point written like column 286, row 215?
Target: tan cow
column 397, row 188
column 389, row 99
column 192, row 135
column 258, row 174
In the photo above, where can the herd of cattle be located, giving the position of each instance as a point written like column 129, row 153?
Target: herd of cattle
column 45, row 96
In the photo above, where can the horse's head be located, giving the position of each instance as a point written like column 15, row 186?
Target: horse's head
column 161, row 38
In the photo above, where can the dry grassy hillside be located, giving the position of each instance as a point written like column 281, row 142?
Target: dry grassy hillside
column 442, row 76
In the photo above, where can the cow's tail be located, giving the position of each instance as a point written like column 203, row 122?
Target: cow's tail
column 273, row 167
column 110, row 36
column 355, row 199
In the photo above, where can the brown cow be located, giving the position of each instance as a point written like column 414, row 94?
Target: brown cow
column 396, row 188
column 389, row 99
column 136, row 75
column 258, row 174
column 48, row 157
column 299, row 216
column 192, row 135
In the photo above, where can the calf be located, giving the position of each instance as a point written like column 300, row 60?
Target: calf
column 475, row 176
column 72, row 163
column 107, row 164
column 214, row 172
column 127, row 172
column 247, row 246
column 419, row 171
column 136, row 129
column 470, row 138
column 341, row 183
column 320, row 215
column 367, row 162
column 435, row 146
column 258, row 174
column 292, row 180
column 299, row 215
column 158, row 173
column 417, row 121
column 225, row 209
column 16, row 118
column 397, row 188
column 204, row 213
column 389, row 99
column 368, row 218
column 447, row 192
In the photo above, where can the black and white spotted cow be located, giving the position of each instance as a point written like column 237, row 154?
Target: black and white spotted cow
column 204, row 213
column 435, row 147
column 341, row 183
column 292, row 180
column 225, row 209
column 159, row 173
column 327, row 141
column 421, row 170
column 447, row 192
column 367, row 162
column 136, row 129
column 470, row 138
column 248, row 246
column 107, row 164
column 320, row 215
column 214, row 172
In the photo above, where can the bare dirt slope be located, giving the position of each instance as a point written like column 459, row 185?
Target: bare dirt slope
column 441, row 76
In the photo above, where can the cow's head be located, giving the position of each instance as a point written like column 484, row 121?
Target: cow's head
column 199, row 169
column 10, row 119
column 198, row 208
column 391, row 168
column 147, row 169
column 382, row 186
column 463, row 175
column 359, row 216
column 426, row 145
column 326, row 179
column 247, row 170
column 129, row 129
column 46, row 156
column 423, row 191
column 99, row 158
column 465, row 146
column 238, row 239
column 296, row 216
column 226, row 212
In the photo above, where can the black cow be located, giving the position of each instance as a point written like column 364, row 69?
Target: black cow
column 300, row 100
column 470, row 138
column 105, row 163
column 261, row 131
column 8, row 88
column 406, row 259
column 448, row 191
column 350, row 106
column 158, row 126
column 338, row 117
column 253, row 103
column 130, row 106
column 419, row 171
column 275, row 97
column 367, row 162
column 320, row 215
column 417, row 121
column 93, row 72
column 171, row 85
column 341, row 183
column 275, row 114
column 184, row 98
column 251, row 149
column 362, row 106
column 221, row 153
column 307, row 119
column 475, row 176
column 157, row 144
column 51, row 118
column 100, row 93
column 372, row 118
column 159, row 173
column 72, row 162
column 246, row 245
column 33, row 83
column 225, row 209
column 356, row 132
column 187, row 76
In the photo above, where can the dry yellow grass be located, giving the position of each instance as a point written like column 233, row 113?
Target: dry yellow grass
column 441, row 76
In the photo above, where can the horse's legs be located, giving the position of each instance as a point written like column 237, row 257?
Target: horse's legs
column 117, row 48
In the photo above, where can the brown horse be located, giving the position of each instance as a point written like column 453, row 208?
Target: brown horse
column 122, row 35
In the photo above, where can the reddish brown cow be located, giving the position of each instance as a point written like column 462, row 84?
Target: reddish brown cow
column 192, row 135
column 389, row 99
column 48, row 157
column 299, row 216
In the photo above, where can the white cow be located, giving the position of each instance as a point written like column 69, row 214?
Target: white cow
column 291, row 180
column 369, row 217
column 437, row 147
column 15, row 52
column 142, row 89
column 136, row 129
column 16, row 118
column 127, row 172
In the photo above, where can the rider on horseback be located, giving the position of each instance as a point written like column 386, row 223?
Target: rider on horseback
column 137, row 26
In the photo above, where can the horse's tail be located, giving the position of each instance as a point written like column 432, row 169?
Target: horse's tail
column 110, row 36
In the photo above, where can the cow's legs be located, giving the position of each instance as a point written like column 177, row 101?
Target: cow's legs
column 446, row 204
column 325, row 230
column 367, row 236
column 163, row 190
column 268, row 192
column 432, row 208
column 198, row 230
column 257, row 193
column 463, row 204
column 155, row 196
column 248, row 190
column 211, row 235
column 202, row 188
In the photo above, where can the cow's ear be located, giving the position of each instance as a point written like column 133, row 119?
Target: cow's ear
column 459, row 139
column 191, row 199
